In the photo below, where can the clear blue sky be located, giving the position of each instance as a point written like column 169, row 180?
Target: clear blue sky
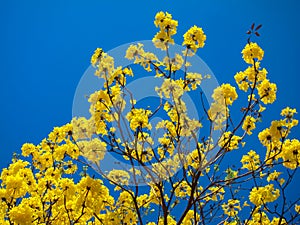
column 45, row 47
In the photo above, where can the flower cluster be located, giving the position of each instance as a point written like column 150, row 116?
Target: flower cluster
column 194, row 38
column 139, row 118
column 261, row 195
column 251, row 52
column 251, row 161
column 167, row 28
column 223, row 96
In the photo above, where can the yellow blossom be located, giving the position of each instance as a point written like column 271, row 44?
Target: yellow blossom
column 249, row 124
column 182, row 189
column 225, row 94
column 273, row 176
column 297, row 208
column 260, row 195
column 96, row 56
column 167, row 26
column 232, row 207
column 291, row 153
column 251, row 161
column 228, row 141
column 194, row 38
column 139, row 118
column 252, row 51
column 119, row 177
column 267, row 91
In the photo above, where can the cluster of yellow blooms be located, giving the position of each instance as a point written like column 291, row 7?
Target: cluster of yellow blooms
column 262, row 218
column 167, row 28
column 42, row 190
column 139, row 118
column 251, row 161
column 218, row 112
column 46, row 194
column 232, row 207
column 194, row 38
column 262, row 195
column 278, row 145
column 254, row 76
column 228, row 141
column 251, row 52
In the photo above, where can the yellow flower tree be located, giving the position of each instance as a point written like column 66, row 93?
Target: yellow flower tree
column 176, row 178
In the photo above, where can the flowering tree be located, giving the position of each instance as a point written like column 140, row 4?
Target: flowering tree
column 178, row 177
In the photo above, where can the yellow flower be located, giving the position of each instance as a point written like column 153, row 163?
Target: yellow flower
column 225, row 94
column 297, row 208
column 161, row 39
column 190, row 218
column 135, row 52
column 218, row 113
column 288, row 115
column 93, row 150
column 265, row 137
column 291, row 153
column 171, row 89
column 57, row 135
column 83, row 128
column 28, row 149
column 182, row 189
column 71, row 167
column 249, row 124
column 275, row 221
column 140, row 153
column 229, row 142
column 143, row 200
column 246, row 204
column 194, row 38
column 139, row 118
column 22, row 214
column 106, row 67
column 261, row 108
column 96, row 56
column 241, row 80
column 93, row 194
column 277, row 129
column 252, row 51
column 253, row 74
column 173, row 64
column 232, row 207
column 196, row 159
column 119, row 177
column 167, row 26
column 267, row 91
column 288, row 112
column 68, row 187
column 273, row 176
column 165, row 22
column 216, row 194
column 72, row 149
column 166, row 145
column 170, row 221
column 251, row 161
column 260, row 195
column 154, row 195
column 194, row 79
column 145, row 59
column 260, row 218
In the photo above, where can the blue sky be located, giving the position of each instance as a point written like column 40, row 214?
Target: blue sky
column 45, row 47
